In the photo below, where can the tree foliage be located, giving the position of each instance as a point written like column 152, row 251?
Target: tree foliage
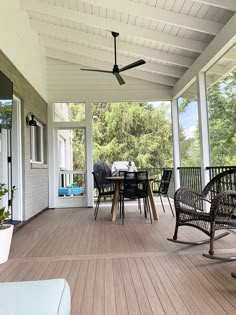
column 132, row 131
column 222, row 126
column 77, row 113
column 222, row 121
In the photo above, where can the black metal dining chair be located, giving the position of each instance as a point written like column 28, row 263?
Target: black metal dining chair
column 135, row 187
column 161, row 187
column 102, row 192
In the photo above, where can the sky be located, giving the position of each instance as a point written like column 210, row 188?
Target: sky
column 166, row 105
column 187, row 120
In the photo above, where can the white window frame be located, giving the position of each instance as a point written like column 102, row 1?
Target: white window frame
column 33, row 143
column 62, row 152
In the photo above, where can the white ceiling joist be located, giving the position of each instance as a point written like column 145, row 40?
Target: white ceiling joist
column 214, row 51
column 107, row 24
column 231, row 55
column 217, row 69
column 109, row 57
column 229, row 67
column 224, row 4
column 158, row 14
column 147, row 76
column 74, row 35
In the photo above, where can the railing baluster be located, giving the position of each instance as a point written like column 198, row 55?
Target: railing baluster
column 190, row 176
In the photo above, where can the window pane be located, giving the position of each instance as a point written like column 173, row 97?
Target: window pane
column 36, row 135
column 221, row 96
column 137, row 131
column 189, row 128
column 38, row 143
column 71, row 162
column 69, row 112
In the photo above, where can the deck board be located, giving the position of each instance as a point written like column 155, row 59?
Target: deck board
column 123, row 269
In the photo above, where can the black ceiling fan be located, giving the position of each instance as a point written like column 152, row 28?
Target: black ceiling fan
column 116, row 71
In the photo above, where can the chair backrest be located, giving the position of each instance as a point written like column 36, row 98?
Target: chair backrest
column 102, row 170
column 135, row 184
column 221, row 182
column 165, row 181
column 130, row 185
column 122, row 173
column 142, row 182
column 96, row 182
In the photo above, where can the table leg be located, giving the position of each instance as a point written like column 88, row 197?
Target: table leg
column 151, row 199
column 115, row 201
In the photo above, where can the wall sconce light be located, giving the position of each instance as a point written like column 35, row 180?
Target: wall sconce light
column 30, row 121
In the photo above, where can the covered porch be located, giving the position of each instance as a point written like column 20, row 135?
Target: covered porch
column 188, row 46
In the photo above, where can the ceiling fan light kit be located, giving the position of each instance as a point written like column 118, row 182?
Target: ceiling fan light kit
column 116, row 71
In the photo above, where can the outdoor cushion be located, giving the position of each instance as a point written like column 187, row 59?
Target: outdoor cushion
column 64, row 191
column 77, row 190
column 43, row 297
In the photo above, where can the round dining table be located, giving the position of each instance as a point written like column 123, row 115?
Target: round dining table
column 118, row 181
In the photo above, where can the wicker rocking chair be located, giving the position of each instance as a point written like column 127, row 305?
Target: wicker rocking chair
column 209, row 211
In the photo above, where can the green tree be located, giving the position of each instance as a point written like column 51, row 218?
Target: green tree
column 222, row 126
column 132, row 131
column 222, row 117
column 189, row 146
column 77, row 113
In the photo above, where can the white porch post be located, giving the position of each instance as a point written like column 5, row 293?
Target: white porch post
column 175, row 133
column 89, row 153
column 51, row 157
column 203, row 127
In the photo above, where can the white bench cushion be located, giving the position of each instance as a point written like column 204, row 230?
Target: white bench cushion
column 43, row 297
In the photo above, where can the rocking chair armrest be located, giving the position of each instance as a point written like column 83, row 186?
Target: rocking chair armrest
column 188, row 198
column 224, row 205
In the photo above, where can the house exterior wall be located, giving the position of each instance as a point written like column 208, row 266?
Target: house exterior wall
column 20, row 43
column 35, row 179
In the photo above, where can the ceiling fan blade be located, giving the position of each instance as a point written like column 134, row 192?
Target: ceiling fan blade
column 94, row 70
column 119, row 78
column 133, row 65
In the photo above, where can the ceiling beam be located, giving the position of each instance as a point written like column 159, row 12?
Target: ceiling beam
column 109, row 56
column 214, row 51
column 223, row 4
column 141, row 51
column 161, row 15
column 81, row 60
column 107, row 24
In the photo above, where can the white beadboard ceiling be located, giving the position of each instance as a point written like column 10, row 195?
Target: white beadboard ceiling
column 168, row 34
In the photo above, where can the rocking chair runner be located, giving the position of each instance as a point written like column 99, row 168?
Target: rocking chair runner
column 219, row 195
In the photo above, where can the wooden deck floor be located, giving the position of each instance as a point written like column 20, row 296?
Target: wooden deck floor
column 130, row 269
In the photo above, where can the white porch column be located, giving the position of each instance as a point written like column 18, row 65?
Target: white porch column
column 203, row 127
column 89, row 153
column 175, row 133
column 51, row 158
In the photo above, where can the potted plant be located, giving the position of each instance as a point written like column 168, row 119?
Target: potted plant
column 6, row 230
